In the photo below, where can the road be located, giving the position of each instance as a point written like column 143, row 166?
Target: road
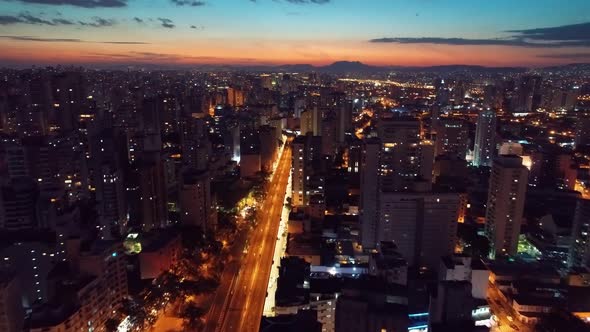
column 502, row 310
column 280, row 250
column 239, row 303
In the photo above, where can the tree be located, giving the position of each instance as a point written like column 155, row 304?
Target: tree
column 169, row 283
column 187, row 267
column 192, row 237
column 192, row 316
column 111, row 325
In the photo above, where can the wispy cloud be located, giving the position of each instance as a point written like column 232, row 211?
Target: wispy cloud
column 98, row 22
column 7, row 19
column 28, row 18
column 447, row 41
column 573, row 35
column 305, row 2
column 192, row 3
column 302, row 2
column 166, row 22
column 571, row 32
column 40, row 39
column 122, row 42
column 138, row 20
column 68, row 40
column 570, row 56
column 76, row 3
column 162, row 58
column 198, row 27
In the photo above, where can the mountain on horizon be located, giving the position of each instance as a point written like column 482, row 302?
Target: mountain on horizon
column 359, row 67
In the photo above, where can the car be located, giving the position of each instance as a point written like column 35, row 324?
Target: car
column 514, row 327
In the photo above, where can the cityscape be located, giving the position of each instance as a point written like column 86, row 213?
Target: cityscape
column 294, row 165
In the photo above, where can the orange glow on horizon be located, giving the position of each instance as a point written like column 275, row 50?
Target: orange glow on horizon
column 243, row 52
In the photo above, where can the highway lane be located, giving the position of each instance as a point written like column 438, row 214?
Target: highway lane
column 246, row 300
column 227, row 281
column 233, row 295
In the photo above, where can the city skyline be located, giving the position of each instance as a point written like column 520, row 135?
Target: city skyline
column 294, row 165
column 317, row 32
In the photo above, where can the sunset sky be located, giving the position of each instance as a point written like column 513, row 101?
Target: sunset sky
column 388, row 32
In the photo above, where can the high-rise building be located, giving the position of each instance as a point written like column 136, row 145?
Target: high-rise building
column 150, row 116
column 343, row 121
column 234, row 97
column 370, row 305
column 368, row 209
column 268, row 147
column 11, row 311
column 168, row 113
column 196, row 206
column 552, row 167
column 32, row 262
column 297, row 170
column 86, row 291
column 485, row 134
column 528, row 94
column 452, row 138
column 579, row 255
column 68, row 90
column 307, row 177
column 505, row 205
column 107, row 165
column 329, row 132
column 582, row 130
column 196, row 147
column 152, row 194
column 18, row 204
column 397, row 161
column 423, row 225
column 563, row 99
column 311, row 121
column 249, row 153
column 15, row 160
column 450, row 306
column 404, row 157
column 111, row 202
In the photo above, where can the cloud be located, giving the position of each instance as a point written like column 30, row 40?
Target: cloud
column 7, row 19
column 69, row 40
column 305, row 2
column 154, row 57
column 28, row 18
column 192, row 3
column 447, row 41
column 78, row 3
column 62, row 21
column 198, row 27
column 98, row 22
column 571, row 32
column 302, row 2
column 573, row 35
column 39, row 39
column 123, row 42
column 571, row 56
column 138, row 20
column 166, row 23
